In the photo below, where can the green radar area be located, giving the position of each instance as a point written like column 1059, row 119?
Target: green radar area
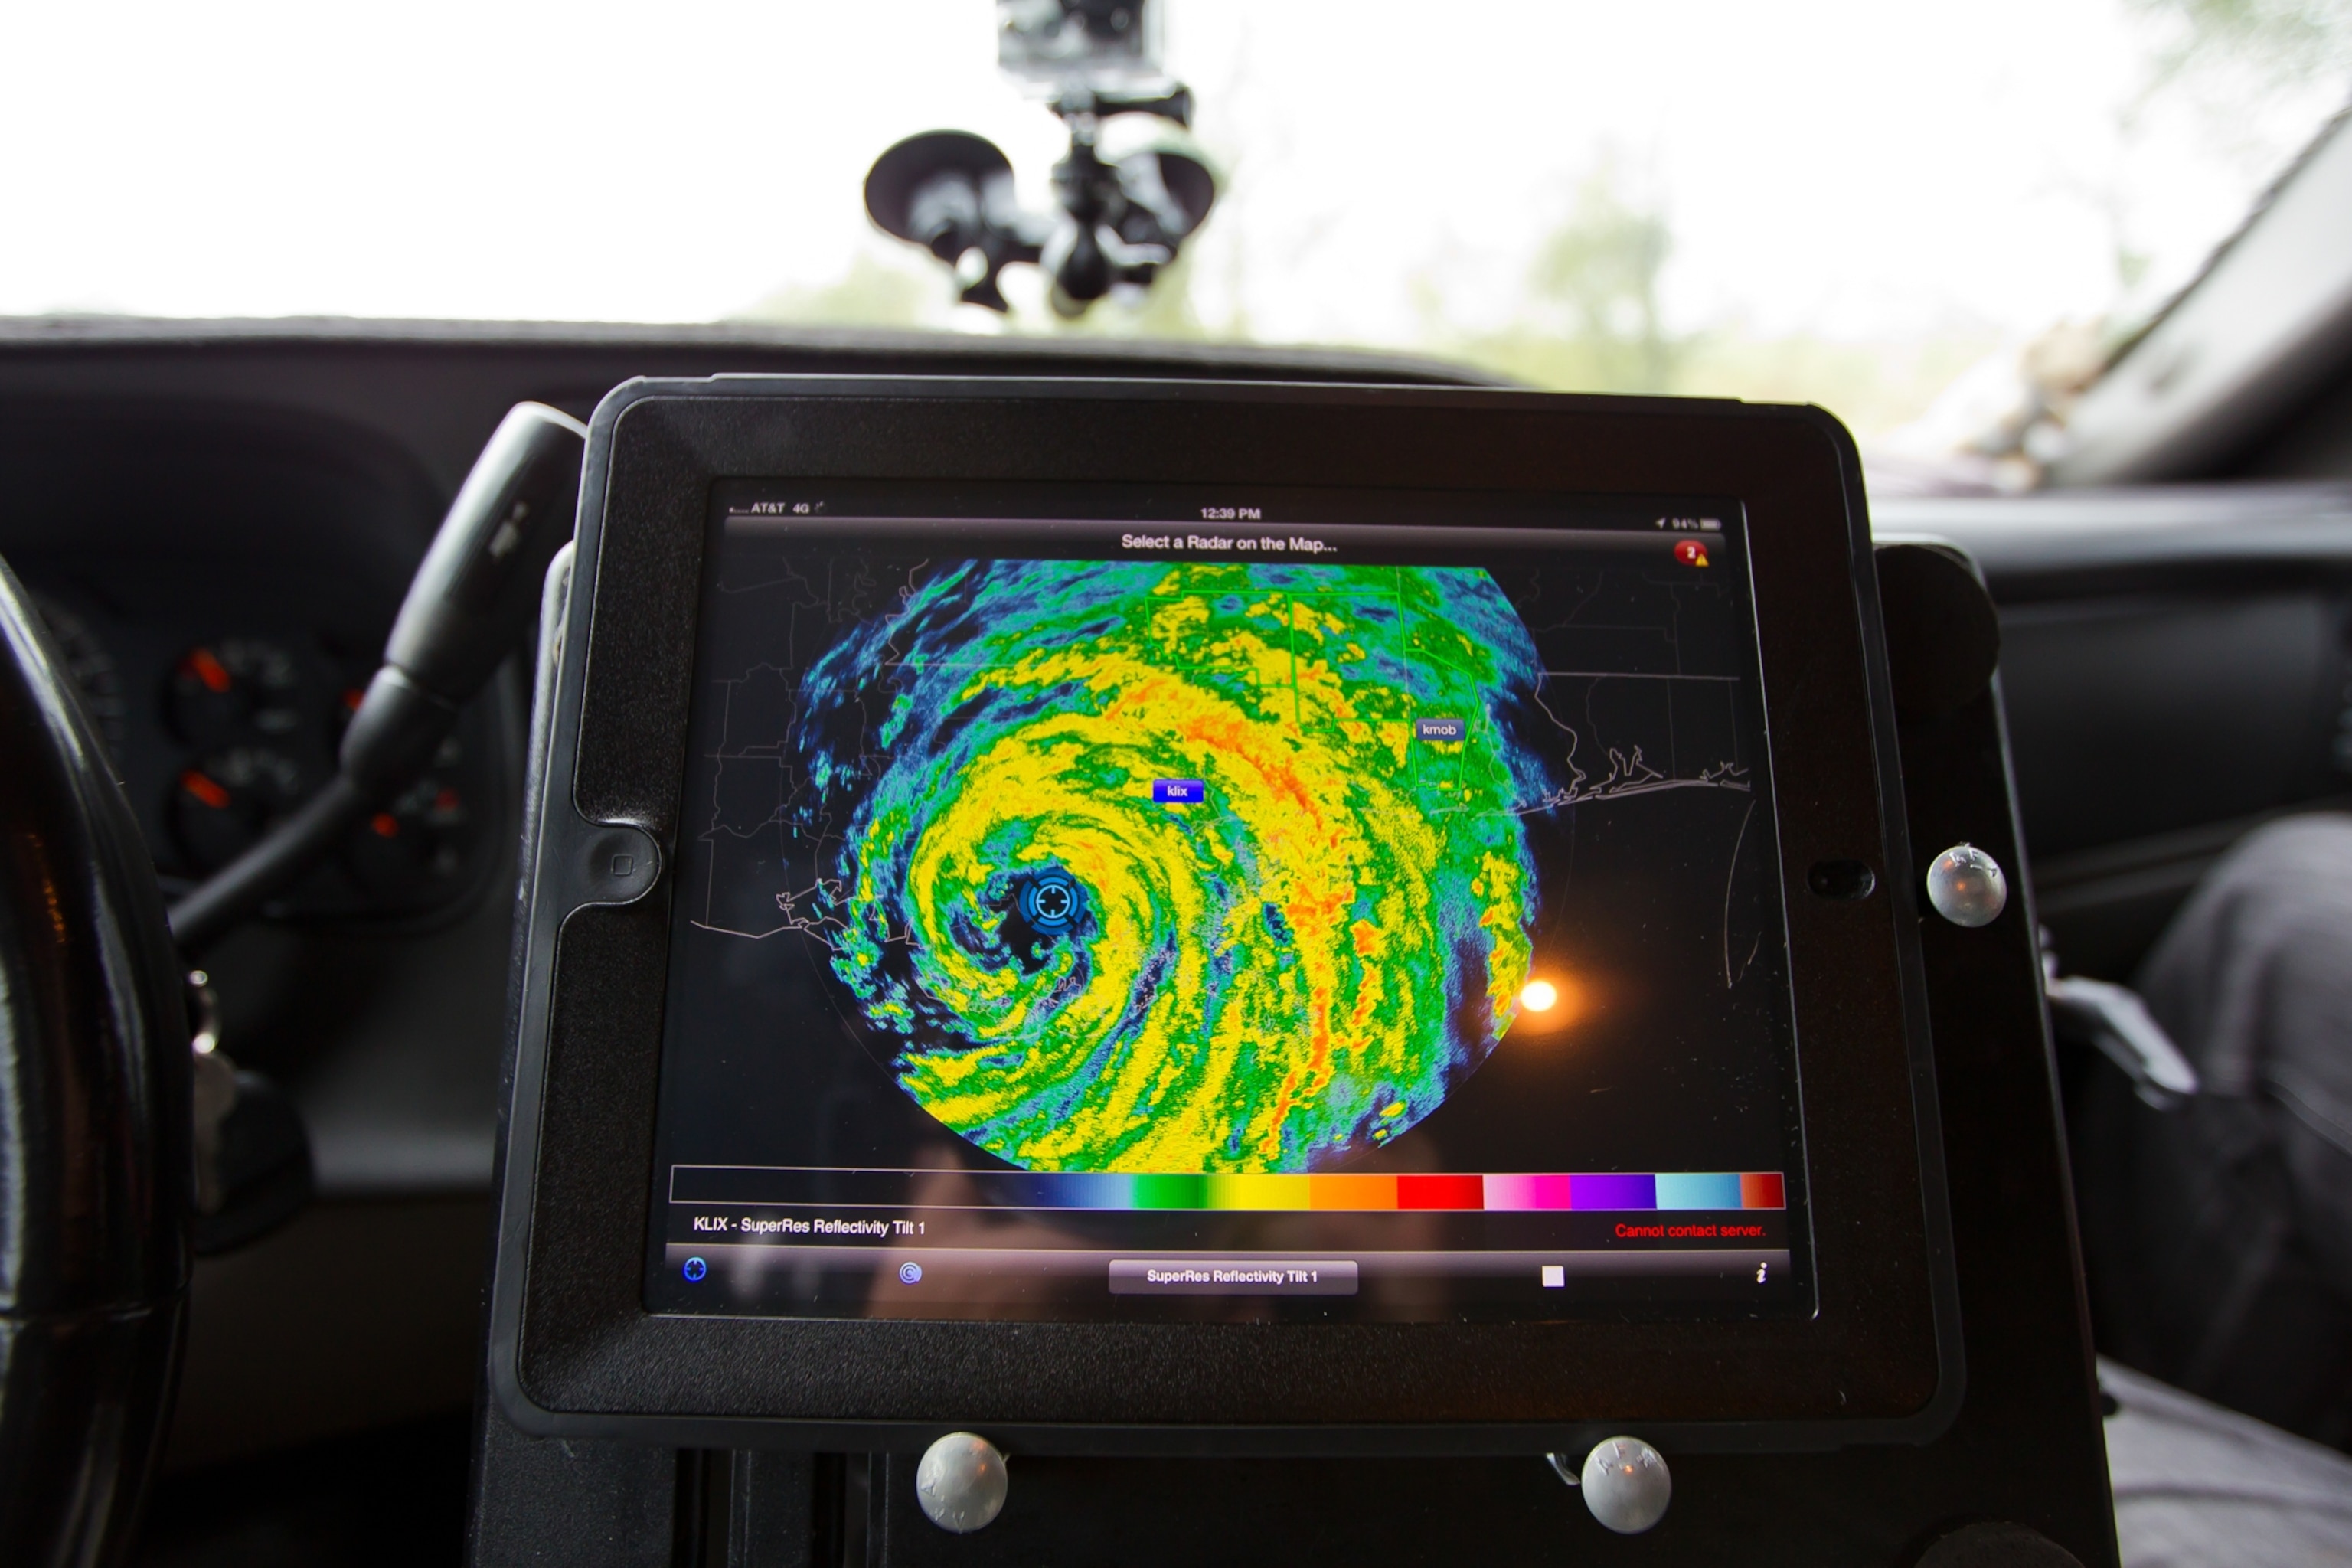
column 1179, row 867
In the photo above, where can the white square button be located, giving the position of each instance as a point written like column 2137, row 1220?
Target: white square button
column 1555, row 1276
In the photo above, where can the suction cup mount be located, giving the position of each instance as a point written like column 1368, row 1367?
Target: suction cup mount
column 951, row 192
column 1130, row 192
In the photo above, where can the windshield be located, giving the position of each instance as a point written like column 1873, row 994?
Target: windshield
column 1851, row 203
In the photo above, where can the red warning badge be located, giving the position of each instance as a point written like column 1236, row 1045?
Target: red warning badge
column 1690, row 552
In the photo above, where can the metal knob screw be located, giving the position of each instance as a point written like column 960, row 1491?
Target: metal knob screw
column 1967, row 887
column 960, row 1482
column 1625, row 1483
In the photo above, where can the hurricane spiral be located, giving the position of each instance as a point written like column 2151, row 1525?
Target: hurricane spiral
column 1075, row 971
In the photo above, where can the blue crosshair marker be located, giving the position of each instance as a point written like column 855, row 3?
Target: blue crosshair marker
column 696, row 1269
column 1051, row 902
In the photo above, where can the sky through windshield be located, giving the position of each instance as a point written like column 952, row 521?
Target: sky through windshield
column 1849, row 201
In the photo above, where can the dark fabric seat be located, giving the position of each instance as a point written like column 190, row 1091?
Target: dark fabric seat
column 2200, row 1486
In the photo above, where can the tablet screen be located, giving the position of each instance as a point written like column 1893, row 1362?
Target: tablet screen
column 1103, row 902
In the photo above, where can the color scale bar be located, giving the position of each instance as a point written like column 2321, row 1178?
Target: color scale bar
column 1498, row 1193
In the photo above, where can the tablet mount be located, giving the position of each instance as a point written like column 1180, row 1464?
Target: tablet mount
column 2019, row 1478
column 1130, row 191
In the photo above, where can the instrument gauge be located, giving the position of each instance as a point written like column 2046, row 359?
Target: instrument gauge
column 418, row 841
column 90, row 667
column 229, row 798
column 224, row 690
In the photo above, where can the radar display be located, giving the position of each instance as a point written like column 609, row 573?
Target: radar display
column 1161, row 866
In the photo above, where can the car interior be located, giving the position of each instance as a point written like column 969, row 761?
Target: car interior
column 300, row 606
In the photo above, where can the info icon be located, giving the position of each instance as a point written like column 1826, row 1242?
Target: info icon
column 910, row 1273
column 696, row 1269
column 1690, row 552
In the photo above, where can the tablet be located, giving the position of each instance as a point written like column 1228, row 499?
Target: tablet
column 1114, row 912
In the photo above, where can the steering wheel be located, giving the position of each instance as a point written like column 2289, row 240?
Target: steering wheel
column 96, row 1172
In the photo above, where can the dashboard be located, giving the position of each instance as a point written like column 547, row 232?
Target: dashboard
column 221, row 681
column 220, row 519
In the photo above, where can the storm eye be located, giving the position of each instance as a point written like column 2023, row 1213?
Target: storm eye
column 1051, row 902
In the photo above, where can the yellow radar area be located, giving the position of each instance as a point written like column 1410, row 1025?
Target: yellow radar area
column 1187, row 868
